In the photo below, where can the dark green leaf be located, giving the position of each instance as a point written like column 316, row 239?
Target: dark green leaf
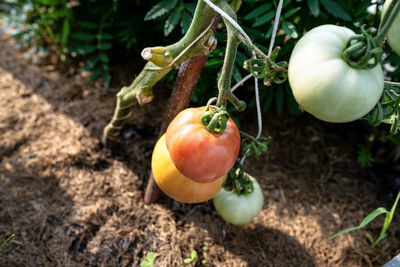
column 106, row 78
column 106, row 36
column 185, row 22
column 268, row 99
column 190, row 7
column 240, row 58
column 104, row 58
column 105, row 46
column 286, row 3
column 258, row 11
column 87, row 24
column 291, row 12
column 279, row 101
column 172, row 20
column 83, row 36
column 160, row 9
column 50, row 2
column 236, row 74
column 335, row 9
column 264, row 19
column 313, row 5
column 56, row 14
column 214, row 62
column 84, row 49
column 95, row 74
column 90, row 64
column 289, row 29
column 65, row 31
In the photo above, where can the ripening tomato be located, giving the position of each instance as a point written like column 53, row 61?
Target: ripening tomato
column 239, row 209
column 175, row 184
column 393, row 35
column 324, row 84
column 197, row 153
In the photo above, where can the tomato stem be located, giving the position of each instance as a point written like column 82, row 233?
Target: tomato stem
column 387, row 21
column 397, row 84
column 224, row 82
column 362, row 51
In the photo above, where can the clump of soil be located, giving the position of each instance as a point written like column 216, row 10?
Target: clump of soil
column 71, row 202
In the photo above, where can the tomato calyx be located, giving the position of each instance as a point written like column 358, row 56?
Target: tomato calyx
column 239, row 182
column 252, row 145
column 215, row 120
column 387, row 110
column 363, row 50
column 267, row 69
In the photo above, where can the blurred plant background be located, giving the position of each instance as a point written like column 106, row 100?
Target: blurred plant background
column 98, row 33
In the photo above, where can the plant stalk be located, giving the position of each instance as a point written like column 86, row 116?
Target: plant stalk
column 140, row 91
column 392, row 12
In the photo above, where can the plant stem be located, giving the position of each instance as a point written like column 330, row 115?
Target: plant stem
column 392, row 12
column 397, row 84
column 233, row 41
column 140, row 91
column 224, row 83
column 253, row 47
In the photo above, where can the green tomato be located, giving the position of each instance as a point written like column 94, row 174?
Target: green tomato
column 324, row 85
column 239, row 209
column 393, row 35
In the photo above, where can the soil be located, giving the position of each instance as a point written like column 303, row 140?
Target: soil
column 71, row 202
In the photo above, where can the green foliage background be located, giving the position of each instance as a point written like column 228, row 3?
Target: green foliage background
column 99, row 32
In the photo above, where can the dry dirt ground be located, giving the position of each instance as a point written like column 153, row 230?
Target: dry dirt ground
column 71, row 202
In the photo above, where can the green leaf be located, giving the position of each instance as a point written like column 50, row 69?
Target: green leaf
column 335, row 9
column 258, row 11
column 49, row 2
column 236, row 74
column 313, row 5
column 185, row 21
column 279, row 101
column 104, row 58
column 83, row 36
column 95, row 74
column 56, row 14
column 106, row 36
column 83, row 49
column 290, row 12
column 148, row 262
column 264, row 19
column 90, row 64
column 269, row 98
column 107, row 79
column 190, row 7
column 367, row 220
column 160, row 9
column 214, row 62
column 88, row 24
column 65, row 31
column 193, row 256
column 172, row 20
column 289, row 29
column 150, row 256
column 105, row 46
